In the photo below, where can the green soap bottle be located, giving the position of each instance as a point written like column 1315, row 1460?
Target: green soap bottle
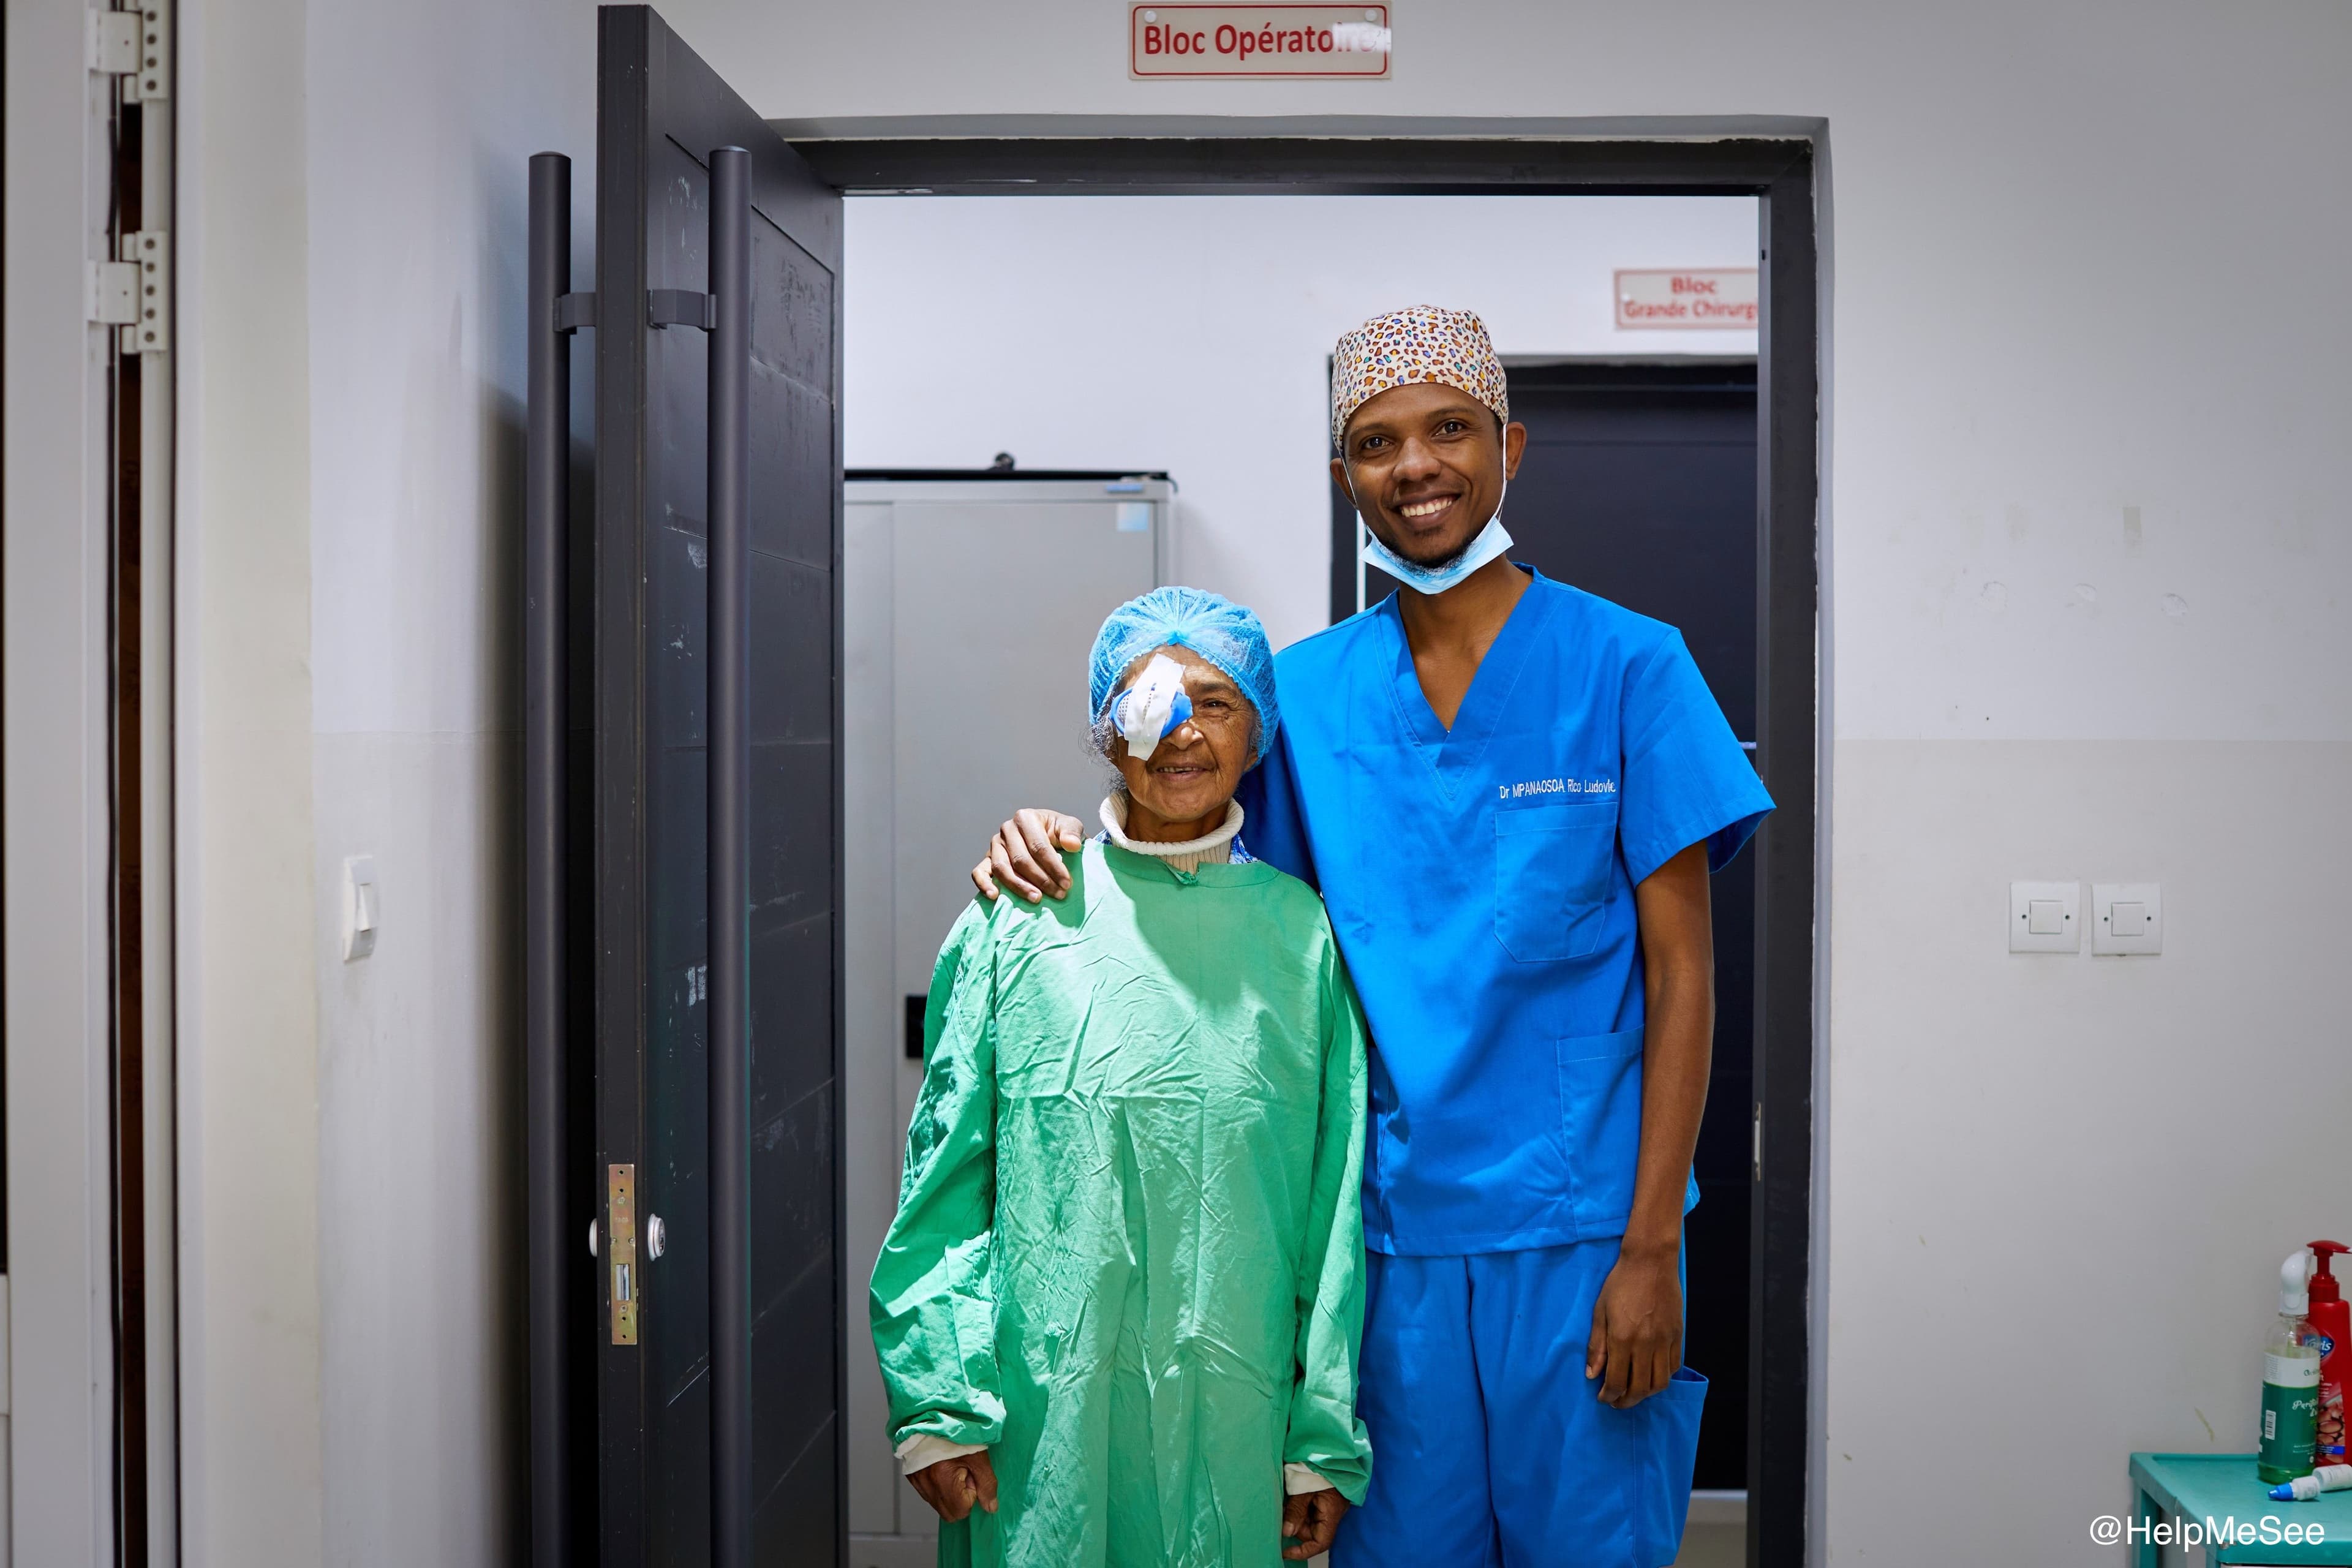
column 2290, row 1381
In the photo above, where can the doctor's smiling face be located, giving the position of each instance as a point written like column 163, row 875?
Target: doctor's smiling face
column 1424, row 464
column 1180, row 791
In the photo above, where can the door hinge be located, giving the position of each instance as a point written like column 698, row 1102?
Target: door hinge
column 150, row 250
column 574, row 311
column 112, row 41
column 110, row 293
column 134, row 43
column 135, row 292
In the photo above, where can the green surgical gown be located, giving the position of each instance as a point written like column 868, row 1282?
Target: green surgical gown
column 1129, row 1253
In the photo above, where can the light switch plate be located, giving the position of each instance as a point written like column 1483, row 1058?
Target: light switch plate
column 2022, row 898
column 358, row 907
column 2127, row 917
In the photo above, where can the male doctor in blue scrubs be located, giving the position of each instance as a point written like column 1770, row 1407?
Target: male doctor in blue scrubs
column 1510, row 794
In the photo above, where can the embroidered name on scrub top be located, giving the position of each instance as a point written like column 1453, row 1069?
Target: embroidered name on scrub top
column 1555, row 787
column 1481, row 884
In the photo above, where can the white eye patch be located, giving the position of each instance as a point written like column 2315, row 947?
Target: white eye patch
column 1149, row 711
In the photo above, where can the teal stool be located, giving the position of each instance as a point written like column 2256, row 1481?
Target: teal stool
column 2197, row 1487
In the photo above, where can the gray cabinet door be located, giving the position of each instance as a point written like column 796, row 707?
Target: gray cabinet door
column 956, row 715
column 660, row 112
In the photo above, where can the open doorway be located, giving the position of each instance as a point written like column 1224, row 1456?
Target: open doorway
column 685, row 1431
column 1128, row 336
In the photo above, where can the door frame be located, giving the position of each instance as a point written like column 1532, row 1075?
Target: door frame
column 1778, row 161
column 90, row 1099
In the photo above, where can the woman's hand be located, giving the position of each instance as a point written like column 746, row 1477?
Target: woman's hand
column 1026, row 855
column 1313, row 1518
column 952, row 1485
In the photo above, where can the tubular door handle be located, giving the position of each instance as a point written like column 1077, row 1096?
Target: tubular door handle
column 680, row 308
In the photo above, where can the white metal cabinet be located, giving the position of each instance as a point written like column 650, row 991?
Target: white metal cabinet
column 969, row 606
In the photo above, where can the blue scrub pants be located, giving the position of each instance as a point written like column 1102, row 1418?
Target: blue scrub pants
column 1489, row 1447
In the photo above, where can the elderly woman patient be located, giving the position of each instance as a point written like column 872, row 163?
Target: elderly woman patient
column 1118, row 1309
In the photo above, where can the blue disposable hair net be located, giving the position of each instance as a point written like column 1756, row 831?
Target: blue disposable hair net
column 1223, row 633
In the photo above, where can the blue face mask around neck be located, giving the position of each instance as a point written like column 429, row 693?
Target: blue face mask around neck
column 1492, row 541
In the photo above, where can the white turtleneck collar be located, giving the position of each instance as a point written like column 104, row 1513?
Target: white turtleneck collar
column 1209, row 849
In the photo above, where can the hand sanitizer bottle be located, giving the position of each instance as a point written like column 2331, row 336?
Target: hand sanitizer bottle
column 2290, row 1381
column 2331, row 1332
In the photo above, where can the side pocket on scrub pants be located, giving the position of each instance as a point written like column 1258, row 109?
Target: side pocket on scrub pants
column 1661, row 1496
column 1552, row 865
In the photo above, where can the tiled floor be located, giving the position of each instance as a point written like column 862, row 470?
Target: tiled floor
column 1714, row 1546
column 1717, row 1534
column 1716, row 1537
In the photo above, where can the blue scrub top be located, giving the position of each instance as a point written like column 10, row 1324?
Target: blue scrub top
column 1481, row 883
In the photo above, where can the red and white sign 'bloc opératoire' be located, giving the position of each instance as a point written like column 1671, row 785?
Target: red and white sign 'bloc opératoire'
column 1257, row 41
column 1717, row 299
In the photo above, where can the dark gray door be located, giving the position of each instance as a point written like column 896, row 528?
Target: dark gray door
column 660, row 112
column 1639, row 484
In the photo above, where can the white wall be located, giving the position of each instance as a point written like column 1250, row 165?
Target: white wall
column 249, row 1219
column 1191, row 335
column 356, row 178
column 2054, row 361
column 422, row 119
column 57, row 908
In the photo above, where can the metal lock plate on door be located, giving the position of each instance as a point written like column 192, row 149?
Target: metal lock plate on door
column 621, row 1208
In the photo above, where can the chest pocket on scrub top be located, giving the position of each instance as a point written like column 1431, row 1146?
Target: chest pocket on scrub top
column 1552, row 865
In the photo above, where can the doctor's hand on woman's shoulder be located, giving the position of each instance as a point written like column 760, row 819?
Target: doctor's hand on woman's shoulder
column 1027, row 854
column 952, row 1485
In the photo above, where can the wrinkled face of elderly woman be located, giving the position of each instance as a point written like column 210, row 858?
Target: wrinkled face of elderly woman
column 1196, row 767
